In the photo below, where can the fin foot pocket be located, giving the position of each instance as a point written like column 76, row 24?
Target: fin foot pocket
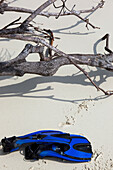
column 8, row 143
column 32, row 151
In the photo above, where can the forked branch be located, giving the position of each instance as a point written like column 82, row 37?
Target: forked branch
column 19, row 66
column 48, row 65
column 4, row 7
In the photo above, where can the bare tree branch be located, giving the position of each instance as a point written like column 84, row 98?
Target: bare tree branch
column 63, row 6
column 39, row 11
column 24, row 26
column 25, row 52
column 106, row 37
column 12, row 23
column 48, row 14
column 48, row 68
column 48, row 65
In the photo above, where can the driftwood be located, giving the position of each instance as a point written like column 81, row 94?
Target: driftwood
column 48, row 64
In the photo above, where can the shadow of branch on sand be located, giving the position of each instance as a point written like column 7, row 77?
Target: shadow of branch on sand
column 26, row 87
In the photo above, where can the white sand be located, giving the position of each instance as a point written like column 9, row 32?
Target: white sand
column 63, row 102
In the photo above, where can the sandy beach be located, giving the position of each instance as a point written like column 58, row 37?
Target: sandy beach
column 66, row 101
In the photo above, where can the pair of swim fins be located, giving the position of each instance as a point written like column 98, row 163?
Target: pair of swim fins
column 50, row 143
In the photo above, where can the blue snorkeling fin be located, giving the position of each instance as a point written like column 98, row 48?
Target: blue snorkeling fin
column 51, row 143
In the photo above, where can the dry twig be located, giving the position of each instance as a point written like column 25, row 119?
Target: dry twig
column 77, row 13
